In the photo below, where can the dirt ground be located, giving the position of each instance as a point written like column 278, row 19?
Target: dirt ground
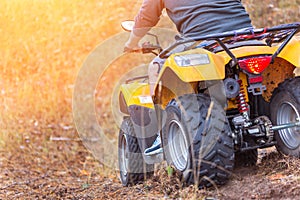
column 66, row 170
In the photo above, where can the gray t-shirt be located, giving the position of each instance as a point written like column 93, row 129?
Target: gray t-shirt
column 194, row 17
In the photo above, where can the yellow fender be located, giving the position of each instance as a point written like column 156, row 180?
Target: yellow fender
column 215, row 70
column 135, row 94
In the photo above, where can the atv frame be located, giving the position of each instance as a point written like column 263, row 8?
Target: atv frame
column 215, row 104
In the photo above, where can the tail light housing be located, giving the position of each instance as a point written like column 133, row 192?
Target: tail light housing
column 255, row 65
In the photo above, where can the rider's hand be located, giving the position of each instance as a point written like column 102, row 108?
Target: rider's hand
column 133, row 43
column 131, row 49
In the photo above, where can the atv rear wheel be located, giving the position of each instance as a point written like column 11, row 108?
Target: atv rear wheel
column 132, row 167
column 197, row 140
column 285, row 108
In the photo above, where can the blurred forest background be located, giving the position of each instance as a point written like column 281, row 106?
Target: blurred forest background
column 42, row 47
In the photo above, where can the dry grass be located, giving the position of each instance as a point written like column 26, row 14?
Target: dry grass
column 43, row 44
column 273, row 12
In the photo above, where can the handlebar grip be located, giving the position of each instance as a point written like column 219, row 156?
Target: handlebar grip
column 146, row 48
column 129, row 50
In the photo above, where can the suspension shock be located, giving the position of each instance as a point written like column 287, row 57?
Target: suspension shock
column 241, row 100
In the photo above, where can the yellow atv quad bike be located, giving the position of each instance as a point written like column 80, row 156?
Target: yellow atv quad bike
column 215, row 103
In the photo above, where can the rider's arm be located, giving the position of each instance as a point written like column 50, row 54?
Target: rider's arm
column 147, row 17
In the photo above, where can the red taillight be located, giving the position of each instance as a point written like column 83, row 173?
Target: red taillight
column 255, row 65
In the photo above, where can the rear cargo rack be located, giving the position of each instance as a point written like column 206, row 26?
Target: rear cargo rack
column 277, row 34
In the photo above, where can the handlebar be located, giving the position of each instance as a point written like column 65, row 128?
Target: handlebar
column 147, row 47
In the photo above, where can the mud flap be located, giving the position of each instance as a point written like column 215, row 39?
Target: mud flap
column 146, row 127
column 217, row 91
